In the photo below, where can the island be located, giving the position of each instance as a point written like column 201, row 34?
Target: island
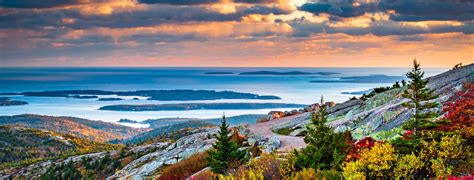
column 161, row 95
column 199, row 106
column 5, row 101
column 110, row 99
column 326, row 73
column 358, row 92
column 374, row 78
column 128, row 121
column 219, row 73
column 293, row 73
column 83, row 97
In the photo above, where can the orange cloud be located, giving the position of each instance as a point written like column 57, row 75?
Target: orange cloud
column 208, row 30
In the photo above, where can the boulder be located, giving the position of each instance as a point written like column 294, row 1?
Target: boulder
column 294, row 111
column 261, row 120
column 275, row 114
column 330, row 104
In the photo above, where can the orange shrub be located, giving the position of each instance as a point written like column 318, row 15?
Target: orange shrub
column 186, row 167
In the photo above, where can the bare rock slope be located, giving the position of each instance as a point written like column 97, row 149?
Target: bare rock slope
column 383, row 111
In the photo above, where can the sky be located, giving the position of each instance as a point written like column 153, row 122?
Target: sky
column 236, row 33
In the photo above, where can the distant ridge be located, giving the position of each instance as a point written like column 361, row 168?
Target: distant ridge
column 295, row 73
column 84, row 128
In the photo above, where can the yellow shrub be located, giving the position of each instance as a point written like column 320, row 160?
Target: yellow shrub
column 268, row 165
column 407, row 165
column 440, row 168
column 374, row 162
column 353, row 170
column 438, row 151
column 304, row 174
column 244, row 174
column 287, row 166
column 378, row 159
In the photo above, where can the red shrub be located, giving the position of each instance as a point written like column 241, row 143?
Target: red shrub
column 365, row 143
column 408, row 134
column 460, row 113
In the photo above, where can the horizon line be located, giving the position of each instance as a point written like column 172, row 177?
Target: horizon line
column 222, row 66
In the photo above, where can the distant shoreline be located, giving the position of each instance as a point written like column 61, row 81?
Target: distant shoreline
column 288, row 73
column 160, row 95
column 199, row 106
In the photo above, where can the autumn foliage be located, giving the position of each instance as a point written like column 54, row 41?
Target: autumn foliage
column 186, row 167
column 460, row 113
column 365, row 143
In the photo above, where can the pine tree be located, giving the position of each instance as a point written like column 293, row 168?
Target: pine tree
column 396, row 85
column 225, row 153
column 419, row 96
column 404, row 83
column 325, row 149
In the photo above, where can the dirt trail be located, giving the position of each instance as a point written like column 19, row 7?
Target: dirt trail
column 288, row 143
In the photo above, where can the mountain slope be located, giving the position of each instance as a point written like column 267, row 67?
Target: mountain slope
column 92, row 130
column 382, row 112
column 20, row 145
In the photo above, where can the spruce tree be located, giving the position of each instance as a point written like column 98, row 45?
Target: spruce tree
column 419, row 96
column 325, row 149
column 225, row 153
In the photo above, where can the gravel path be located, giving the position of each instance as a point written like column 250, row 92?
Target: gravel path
column 288, row 143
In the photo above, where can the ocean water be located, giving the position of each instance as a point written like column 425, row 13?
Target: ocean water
column 291, row 88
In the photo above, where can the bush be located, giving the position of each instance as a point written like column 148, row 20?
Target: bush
column 205, row 175
column 243, row 173
column 441, row 151
column 365, row 143
column 287, row 166
column 374, row 162
column 284, row 131
column 460, row 112
column 306, row 173
column 186, row 167
column 268, row 165
column 407, row 166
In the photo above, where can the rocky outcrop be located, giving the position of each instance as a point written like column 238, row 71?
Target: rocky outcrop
column 175, row 152
column 384, row 111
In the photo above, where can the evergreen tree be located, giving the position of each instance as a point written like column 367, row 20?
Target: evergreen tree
column 225, row 153
column 396, row 85
column 325, row 149
column 404, row 83
column 419, row 96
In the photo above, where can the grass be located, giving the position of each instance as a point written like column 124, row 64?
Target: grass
column 284, row 131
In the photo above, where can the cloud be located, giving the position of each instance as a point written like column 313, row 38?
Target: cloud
column 219, row 31
column 121, row 18
column 338, row 8
column 401, row 10
column 410, row 10
column 179, row 2
column 204, row 2
column 37, row 3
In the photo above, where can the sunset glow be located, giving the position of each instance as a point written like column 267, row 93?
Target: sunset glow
column 237, row 33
